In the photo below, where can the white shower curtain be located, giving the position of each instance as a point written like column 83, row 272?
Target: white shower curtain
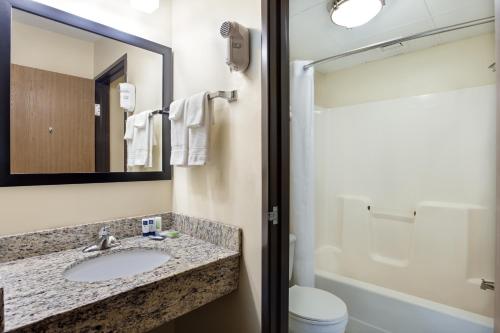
column 302, row 171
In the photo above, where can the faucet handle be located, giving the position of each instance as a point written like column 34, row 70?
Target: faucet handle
column 487, row 285
column 104, row 231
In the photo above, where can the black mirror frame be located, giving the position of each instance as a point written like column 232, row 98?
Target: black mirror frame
column 8, row 179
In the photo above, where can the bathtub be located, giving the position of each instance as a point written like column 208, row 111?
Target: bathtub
column 374, row 309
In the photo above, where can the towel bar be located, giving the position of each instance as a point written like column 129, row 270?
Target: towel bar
column 230, row 96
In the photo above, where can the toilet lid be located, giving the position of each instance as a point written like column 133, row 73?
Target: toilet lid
column 316, row 305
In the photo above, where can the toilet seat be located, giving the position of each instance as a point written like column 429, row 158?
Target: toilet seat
column 316, row 306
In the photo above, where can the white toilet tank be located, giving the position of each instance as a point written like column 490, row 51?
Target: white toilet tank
column 290, row 256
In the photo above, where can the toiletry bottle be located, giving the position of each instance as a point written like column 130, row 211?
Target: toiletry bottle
column 152, row 227
column 158, row 224
column 145, row 227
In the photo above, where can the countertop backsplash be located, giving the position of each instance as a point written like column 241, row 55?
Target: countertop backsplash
column 26, row 245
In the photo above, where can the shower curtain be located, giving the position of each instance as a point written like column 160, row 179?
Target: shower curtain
column 302, row 171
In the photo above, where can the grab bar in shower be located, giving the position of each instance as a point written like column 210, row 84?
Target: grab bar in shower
column 391, row 216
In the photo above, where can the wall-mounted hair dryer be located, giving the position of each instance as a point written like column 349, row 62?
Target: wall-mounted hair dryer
column 238, row 45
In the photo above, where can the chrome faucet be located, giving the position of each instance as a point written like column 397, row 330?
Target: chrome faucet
column 105, row 241
column 487, row 285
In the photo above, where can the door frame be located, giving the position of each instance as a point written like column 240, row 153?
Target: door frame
column 497, row 233
column 102, row 122
column 275, row 165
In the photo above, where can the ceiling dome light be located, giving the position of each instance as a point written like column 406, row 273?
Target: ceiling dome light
column 147, row 6
column 354, row 13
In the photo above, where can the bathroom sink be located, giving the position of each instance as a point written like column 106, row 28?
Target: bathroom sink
column 116, row 265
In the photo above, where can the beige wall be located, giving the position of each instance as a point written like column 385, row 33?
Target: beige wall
column 50, row 51
column 228, row 189
column 49, row 206
column 40, row 207
column 421, row 72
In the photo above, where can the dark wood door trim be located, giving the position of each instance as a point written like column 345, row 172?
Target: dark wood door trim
column 102, row 122
column 102, row 149
column 276, row 164
column 114, row 71
column 497, row 262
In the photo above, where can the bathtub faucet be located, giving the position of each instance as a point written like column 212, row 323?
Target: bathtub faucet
column 487, row 285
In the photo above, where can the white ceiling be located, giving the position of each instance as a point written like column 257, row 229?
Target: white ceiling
column 53, row 26
column 313, row 36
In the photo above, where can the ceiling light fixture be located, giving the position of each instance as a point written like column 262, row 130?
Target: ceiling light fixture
column 354, row 13
column 147, row 6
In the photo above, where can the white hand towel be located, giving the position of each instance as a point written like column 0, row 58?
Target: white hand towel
column 141, row 121
column 129, row 128
column 178, row 133
column 151, row 139
column 199, row 134
column 195, row 109
column 141, row 140
column 129, row 136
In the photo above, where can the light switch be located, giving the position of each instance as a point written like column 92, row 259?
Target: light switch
column 98, row 110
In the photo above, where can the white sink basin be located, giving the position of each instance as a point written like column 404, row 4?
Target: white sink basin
column 116, row 265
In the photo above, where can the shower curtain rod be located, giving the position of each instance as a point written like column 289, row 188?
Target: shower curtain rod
column 400, row 40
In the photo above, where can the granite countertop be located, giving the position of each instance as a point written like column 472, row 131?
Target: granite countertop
column 35, row 288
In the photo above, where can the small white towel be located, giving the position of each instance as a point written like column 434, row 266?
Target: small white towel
column 198, row 120
column 141, row 120
column 195, row 109
column 129, row 136
column 140, row 136
column 142, row 141
column 151, row 138
column 178, row 133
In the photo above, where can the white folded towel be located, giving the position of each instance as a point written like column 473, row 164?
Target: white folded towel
column 151, row 138
column 140, row 137
column 129, row 136
column 141, row 120
column 198, row 120
column 129, row 128
column 178, row 133
column 142, row 141
column 195, row 109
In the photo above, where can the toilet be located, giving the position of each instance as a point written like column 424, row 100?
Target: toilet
column 313, row 310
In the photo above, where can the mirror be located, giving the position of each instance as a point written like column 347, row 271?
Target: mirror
column 81, row 102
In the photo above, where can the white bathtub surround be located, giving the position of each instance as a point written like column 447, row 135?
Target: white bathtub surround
column 433, row 256
column 425, row 167
column 302, row 171
column 373, row 309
